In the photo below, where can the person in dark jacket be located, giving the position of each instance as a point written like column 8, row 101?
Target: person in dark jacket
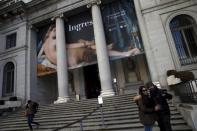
column 145, row 104
column 30, row 110
column 161, row 106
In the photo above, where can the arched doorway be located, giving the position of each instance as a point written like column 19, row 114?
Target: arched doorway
column 8, row 80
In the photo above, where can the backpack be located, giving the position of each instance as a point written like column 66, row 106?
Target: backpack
column 35, row 107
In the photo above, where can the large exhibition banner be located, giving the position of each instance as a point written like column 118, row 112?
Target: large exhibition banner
column 80, row 44
column 121, row 26
column 121, row 32
column 80, row 40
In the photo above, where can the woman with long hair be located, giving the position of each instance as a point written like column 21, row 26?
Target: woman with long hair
column 146, row 107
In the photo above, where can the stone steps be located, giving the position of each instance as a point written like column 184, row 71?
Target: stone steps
column 120, row 114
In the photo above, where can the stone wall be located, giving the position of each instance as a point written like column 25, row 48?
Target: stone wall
column 17, row 55
column 159, row 44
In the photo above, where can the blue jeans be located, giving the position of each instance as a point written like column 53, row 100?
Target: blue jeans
column 30, row 120
column 148, row 127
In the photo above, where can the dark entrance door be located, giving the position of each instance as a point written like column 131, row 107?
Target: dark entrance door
column 92, row 82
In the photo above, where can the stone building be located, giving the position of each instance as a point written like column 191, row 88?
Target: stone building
column 103, row 47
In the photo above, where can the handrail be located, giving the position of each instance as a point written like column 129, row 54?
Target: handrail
column 186, row 91
column 79, row 120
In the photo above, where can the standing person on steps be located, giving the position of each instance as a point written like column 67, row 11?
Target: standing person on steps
column 161, row 106
column 30, row 111
column 145, row 104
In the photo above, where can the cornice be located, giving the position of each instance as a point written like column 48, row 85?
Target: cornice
column 163, row 6
column 12, row 51
column 9, row 11
column 33, row 18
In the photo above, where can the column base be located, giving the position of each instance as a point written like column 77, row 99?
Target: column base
column 77, row 97
column 121, row 91
column 62, row 100
column 107, row 93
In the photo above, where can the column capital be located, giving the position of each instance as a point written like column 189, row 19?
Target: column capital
column 57, row 16
column 32, row 27
column 93, row 2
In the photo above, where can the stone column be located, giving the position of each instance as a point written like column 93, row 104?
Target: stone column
column 120, row 77
column 62, row 72
column 101, row 50
column 79, row 83
column 31, row 63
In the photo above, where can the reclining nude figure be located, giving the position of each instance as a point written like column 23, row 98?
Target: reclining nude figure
column 80, row 52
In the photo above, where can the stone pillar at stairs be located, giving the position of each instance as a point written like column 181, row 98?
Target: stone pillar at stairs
column 62, row 69
column 101, row 50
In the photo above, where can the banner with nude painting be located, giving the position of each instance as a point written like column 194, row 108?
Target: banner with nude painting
column 121, row 31
column 80, row 44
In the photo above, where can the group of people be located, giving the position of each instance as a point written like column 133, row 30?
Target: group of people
column 151, row 101
column 153, row 106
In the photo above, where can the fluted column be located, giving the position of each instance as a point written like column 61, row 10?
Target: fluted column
column 101, row 50
column 62, row 69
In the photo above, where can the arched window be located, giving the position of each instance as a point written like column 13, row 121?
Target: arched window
column 184, row 32
column 8, row 79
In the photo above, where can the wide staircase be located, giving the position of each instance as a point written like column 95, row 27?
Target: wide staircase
column 120, row 113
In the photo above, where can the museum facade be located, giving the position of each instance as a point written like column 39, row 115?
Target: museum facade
column 59, row 50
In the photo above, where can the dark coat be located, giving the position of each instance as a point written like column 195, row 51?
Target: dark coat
column 161, row 97
column 31, row 108
column 147, row 115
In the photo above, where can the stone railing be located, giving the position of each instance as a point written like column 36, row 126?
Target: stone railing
column 186, row 91
column 9, row 105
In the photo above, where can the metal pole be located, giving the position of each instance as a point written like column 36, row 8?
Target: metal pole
column 102, row 116
column 115, row 86
column 81, row 125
